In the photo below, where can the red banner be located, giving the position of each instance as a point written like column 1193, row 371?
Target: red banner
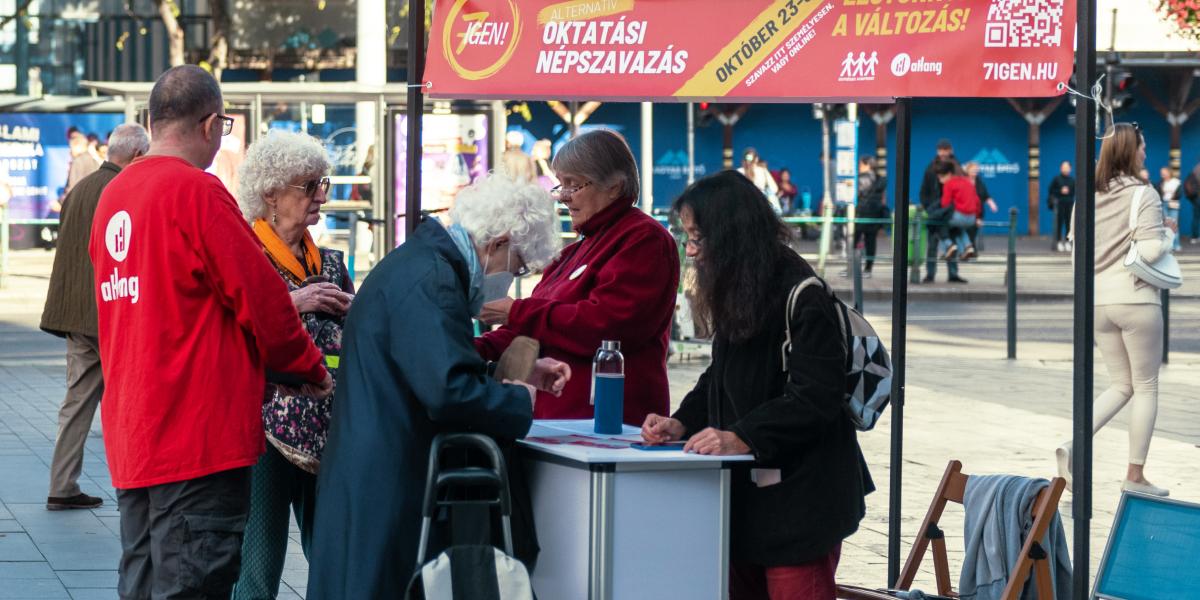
column 749, row 50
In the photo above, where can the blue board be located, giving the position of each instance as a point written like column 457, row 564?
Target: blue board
column 1152, row 552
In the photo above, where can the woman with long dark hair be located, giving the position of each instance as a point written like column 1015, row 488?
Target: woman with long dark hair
column 1129, row 324
column 804, row 494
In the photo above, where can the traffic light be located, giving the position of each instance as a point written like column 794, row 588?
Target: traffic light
column 704, row 114
column 1123, row 83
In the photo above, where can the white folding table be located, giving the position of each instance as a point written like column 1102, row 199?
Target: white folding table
column 621, row 523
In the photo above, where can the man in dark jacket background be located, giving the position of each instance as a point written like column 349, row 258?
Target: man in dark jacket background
column 931, row 200
column 70, row 312
column 1061, row 198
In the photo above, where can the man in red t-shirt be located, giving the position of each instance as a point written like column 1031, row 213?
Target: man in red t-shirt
column 191, row 315
column 958, row 193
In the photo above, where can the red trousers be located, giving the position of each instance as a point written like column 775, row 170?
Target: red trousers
column 808, row 581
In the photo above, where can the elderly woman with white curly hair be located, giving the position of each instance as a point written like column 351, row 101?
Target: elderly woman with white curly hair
column 281, row 187
column 411, row 371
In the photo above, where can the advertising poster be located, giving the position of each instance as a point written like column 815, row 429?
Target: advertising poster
column 749, row 50
column 34, row 161
column 454, row 155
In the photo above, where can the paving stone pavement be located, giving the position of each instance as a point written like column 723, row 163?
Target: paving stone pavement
column 73, row 554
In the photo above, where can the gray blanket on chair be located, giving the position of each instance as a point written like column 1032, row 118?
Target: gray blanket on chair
column 998, row 519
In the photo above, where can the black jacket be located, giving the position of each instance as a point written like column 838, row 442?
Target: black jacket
column 798, row 424
column 931, row 189
column 871, row 189
column 1055, row 196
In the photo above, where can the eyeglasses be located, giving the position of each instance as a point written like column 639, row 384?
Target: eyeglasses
column 695, row 243
column 559, row 192
column 226, row 122
column 310, row 186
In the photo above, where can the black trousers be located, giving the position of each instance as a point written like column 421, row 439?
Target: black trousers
column 1062, row 220
column 869, row 235
column 183, row 539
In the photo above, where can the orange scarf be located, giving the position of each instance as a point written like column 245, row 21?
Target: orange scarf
column 281, row 253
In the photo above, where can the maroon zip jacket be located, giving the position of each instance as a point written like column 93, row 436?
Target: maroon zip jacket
column 617, row 283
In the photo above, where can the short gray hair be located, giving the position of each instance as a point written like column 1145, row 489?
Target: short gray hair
column 274, row 161
column 498, row 205
column 182, row 93
column 604, row 157
column 126, row 140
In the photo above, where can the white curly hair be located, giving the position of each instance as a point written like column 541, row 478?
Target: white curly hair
column 498, row 205
column 272, row 163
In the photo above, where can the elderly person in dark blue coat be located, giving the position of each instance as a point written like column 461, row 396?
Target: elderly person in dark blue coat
column 409, row 371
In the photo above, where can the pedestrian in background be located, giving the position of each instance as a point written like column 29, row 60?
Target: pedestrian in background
column 1129, row 323
column 281, row 186
column 1060, row 197
column 1169, row 188
column 871, row 205
column 958, row 196
column 190, row 315
column 70, row 313
column 1191, row 191
column 754, row 168
column 985, row 199
column 787, row 191
column 930, row 195
column 803, row 495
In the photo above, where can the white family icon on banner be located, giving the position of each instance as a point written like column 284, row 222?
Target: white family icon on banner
column 859, row 69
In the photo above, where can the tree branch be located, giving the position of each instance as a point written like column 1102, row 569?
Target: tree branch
column 21, row 8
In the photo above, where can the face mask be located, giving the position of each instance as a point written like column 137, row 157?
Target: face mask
column 463, row 242
column 496, row 285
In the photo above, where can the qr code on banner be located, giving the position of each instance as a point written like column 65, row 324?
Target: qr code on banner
column 1024, row 24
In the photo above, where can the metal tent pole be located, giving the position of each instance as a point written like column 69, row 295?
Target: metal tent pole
column 899, row 325
column 1085, row 290
column 415, row 110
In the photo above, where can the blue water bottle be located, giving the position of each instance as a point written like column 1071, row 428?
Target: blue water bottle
column 608, row 388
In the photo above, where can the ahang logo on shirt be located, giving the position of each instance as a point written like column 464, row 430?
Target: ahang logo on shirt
column 116, row 240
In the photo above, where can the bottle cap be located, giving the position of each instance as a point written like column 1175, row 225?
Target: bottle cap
column 611, row 345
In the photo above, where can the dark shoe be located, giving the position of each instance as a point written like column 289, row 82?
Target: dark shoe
column 927, row 280
column 77, row 501
column 956, row 280
column 969, row 253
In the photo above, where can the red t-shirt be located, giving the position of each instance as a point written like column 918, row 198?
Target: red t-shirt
column 617, row 283
column 190, row 312
column 959, row 192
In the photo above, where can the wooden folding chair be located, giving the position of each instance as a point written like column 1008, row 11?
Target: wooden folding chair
column 952, row 489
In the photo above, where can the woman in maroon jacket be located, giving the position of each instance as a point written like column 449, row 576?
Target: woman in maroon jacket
column 618, row 282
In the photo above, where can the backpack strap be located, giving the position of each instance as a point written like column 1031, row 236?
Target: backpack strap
column 791, row 308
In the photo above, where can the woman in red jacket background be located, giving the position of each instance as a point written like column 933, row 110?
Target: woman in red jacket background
column 618, row 282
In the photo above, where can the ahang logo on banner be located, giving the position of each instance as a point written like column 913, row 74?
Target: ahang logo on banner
column 993, row 162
